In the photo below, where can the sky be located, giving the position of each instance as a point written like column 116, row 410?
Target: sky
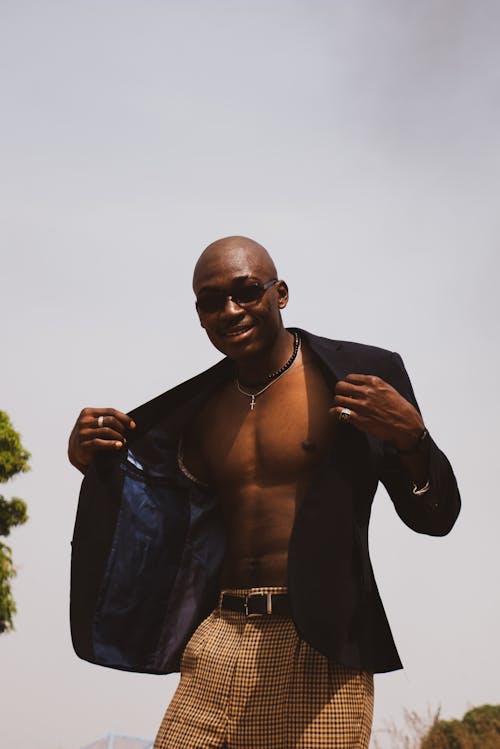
column 359, row 143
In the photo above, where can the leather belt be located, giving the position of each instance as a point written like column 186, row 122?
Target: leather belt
column 257, row 604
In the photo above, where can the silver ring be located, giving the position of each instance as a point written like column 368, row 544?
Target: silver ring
column 100, row 421
column 345, row 414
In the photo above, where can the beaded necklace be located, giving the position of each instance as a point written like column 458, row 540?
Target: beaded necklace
column 274, row 375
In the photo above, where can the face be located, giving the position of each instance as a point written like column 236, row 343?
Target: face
column 240, row 330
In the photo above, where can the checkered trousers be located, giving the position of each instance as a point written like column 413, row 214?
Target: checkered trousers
column 252, row 683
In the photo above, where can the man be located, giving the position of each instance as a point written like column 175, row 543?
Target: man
column 246, row 492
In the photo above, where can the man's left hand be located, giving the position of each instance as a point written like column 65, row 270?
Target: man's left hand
column 378, row 409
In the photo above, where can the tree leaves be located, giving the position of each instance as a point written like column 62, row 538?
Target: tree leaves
column 13, row 457
column 13, row 460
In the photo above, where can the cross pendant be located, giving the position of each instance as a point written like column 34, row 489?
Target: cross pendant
column 252, row 403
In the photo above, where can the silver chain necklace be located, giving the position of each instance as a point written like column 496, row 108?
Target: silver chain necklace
column 253, row 396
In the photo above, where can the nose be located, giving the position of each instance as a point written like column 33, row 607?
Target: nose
column 232, row 308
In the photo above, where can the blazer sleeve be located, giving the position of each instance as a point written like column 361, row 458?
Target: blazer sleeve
column 436, row 511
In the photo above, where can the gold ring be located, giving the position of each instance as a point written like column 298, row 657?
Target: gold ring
column 345, row 414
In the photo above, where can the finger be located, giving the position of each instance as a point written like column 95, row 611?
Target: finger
column 343, row 414
column 347, row 388
column 99, row 444
column 92, row 414
column 362, row 379
column 109, row 422
column 346, row 401
column 121, row 417
column 103, row 433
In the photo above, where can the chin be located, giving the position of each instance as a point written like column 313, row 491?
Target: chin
column 237, row 351
column 238, row 348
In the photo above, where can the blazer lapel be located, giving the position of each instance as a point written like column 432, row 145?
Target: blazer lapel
column 338, row 361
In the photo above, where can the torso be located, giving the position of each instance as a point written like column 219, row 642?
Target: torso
column 260, row 462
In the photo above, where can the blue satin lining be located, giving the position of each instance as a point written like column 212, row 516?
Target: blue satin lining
column 162, row 573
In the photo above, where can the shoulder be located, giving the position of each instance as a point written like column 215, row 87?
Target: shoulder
column 344, row 357
column 194, row 390
column 364, row 350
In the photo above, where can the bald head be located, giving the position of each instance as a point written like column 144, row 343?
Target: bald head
column 237, row 256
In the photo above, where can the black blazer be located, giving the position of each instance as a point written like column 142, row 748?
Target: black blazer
column 149, row 542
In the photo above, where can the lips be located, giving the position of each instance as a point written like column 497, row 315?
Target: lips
column 238, row 331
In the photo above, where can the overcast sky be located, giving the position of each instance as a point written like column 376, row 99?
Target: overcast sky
column 359, row 142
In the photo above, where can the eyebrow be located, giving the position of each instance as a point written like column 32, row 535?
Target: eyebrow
column 236, row 280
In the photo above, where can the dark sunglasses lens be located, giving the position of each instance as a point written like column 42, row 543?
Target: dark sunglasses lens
column 211, row 302
column 248, row 294
column 216, row 302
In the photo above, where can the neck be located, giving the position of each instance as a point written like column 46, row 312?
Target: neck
column 256, row 370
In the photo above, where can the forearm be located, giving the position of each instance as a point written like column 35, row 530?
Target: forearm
column 433, row 512
column 414, row 457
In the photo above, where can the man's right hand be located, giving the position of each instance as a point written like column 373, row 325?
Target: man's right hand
column 97, row 430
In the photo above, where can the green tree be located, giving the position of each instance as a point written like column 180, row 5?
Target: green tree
column 13, row 460
column 484, row 720
column 478, row 729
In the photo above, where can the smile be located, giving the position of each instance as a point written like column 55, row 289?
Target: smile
column 236, row 332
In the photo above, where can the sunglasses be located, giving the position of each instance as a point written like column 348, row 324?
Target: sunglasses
column 215, row 301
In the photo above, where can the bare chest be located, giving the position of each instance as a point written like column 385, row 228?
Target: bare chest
column 277, row 443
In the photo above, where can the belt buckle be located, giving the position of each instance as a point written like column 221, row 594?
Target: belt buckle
column 269, row 604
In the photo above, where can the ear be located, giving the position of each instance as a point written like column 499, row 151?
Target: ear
column 282, row 290
column 199, row 316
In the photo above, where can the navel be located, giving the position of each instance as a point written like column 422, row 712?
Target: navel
column 309, row 445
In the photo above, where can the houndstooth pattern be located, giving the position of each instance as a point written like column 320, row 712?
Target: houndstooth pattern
column 252, row 683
